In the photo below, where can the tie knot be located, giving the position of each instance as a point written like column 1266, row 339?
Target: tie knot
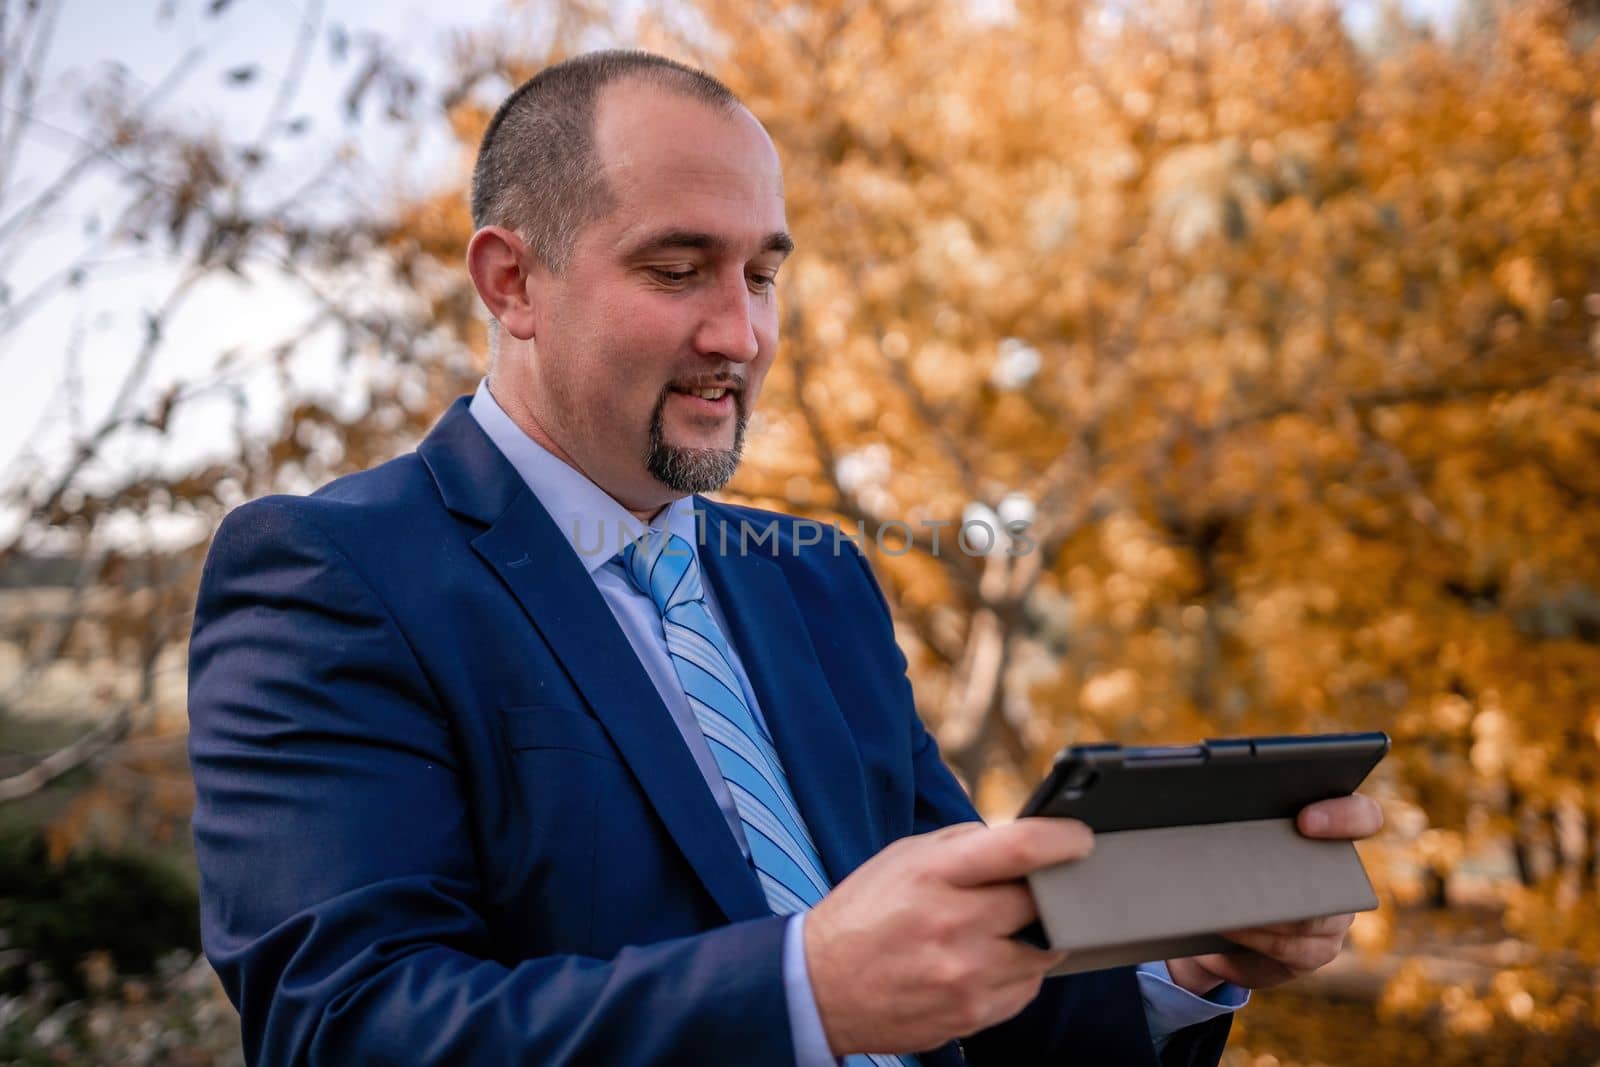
column 662, row 566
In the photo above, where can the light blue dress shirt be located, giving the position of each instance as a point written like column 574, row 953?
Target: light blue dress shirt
column 597, row 527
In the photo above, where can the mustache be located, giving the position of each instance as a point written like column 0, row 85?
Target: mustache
column 724, row 381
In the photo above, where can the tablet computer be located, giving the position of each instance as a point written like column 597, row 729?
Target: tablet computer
column 1194, row 839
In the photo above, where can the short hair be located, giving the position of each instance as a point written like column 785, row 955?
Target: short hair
column 537, row 172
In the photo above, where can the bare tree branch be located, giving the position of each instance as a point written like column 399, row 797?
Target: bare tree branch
column 98, row 740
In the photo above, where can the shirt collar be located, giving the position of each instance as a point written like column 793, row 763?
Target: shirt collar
column 591, row 521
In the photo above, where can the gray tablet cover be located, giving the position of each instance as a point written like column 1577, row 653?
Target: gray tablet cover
column 1162, row 893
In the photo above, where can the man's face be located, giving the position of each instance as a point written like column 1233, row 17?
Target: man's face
column 652, row 343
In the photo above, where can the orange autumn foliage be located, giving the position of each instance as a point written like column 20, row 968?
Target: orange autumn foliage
column 1287, row 349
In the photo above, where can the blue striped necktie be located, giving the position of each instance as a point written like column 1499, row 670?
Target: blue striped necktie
column 664, row 568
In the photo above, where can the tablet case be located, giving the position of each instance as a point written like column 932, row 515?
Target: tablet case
column 1190, row 841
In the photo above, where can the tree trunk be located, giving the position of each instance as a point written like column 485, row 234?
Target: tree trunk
column 1436, row 887
column 1589, row 870
column 975, row 697
column 1523, row 846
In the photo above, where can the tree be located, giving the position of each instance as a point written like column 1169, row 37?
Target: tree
column 1281, row 355
column 203, row 213
column 1185, row 369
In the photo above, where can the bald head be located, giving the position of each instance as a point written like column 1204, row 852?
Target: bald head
column 541, row 170
column 632, row 280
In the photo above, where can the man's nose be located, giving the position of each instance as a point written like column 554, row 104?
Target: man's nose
column 728, row 328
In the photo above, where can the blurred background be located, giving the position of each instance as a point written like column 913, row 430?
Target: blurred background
column 1274, row 323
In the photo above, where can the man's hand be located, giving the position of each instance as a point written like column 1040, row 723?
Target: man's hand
column 915, row 947
column 1272, row 955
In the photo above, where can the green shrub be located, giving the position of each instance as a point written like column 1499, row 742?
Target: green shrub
column 125, row 904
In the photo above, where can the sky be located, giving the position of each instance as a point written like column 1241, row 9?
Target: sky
column 102, row 321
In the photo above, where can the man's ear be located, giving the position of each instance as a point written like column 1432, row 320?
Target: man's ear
column 501, row 265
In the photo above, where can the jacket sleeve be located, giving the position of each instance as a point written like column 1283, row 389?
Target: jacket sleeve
column 1091, row 1018
column 338, row 871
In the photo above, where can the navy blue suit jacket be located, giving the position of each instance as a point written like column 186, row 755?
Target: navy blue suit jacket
column 442, row 817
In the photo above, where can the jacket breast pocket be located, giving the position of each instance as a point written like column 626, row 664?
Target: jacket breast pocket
column 556, row 726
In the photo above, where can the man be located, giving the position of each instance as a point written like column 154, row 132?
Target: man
column 473, row 790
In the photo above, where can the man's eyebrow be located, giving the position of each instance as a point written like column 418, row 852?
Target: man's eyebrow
column 777, row 241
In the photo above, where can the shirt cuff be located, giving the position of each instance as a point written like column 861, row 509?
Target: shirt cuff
column 1169, row 1007
column 805, row 1022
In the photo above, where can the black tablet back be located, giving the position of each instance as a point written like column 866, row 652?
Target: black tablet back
column 1112, row 788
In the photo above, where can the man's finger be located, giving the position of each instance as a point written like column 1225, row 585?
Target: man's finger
column 1299, row 953
column 1327, row 924
column 1005, row 907
column 1018, row 961
column 1245, row 968
column 1005, row 853
column 1348, row 818
column 955, row 829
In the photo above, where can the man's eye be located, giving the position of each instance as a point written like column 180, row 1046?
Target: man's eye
column 672, row 275
column 763, row 281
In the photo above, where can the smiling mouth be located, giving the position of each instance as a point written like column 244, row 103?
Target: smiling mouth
column 714, row 389
column 715, row 399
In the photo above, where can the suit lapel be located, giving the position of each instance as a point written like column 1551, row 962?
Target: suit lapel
column 523, row 546
column 813, row 741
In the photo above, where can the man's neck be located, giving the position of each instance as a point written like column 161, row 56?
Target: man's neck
column 526, row 421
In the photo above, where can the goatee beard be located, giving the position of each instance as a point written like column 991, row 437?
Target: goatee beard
column 693, row 470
